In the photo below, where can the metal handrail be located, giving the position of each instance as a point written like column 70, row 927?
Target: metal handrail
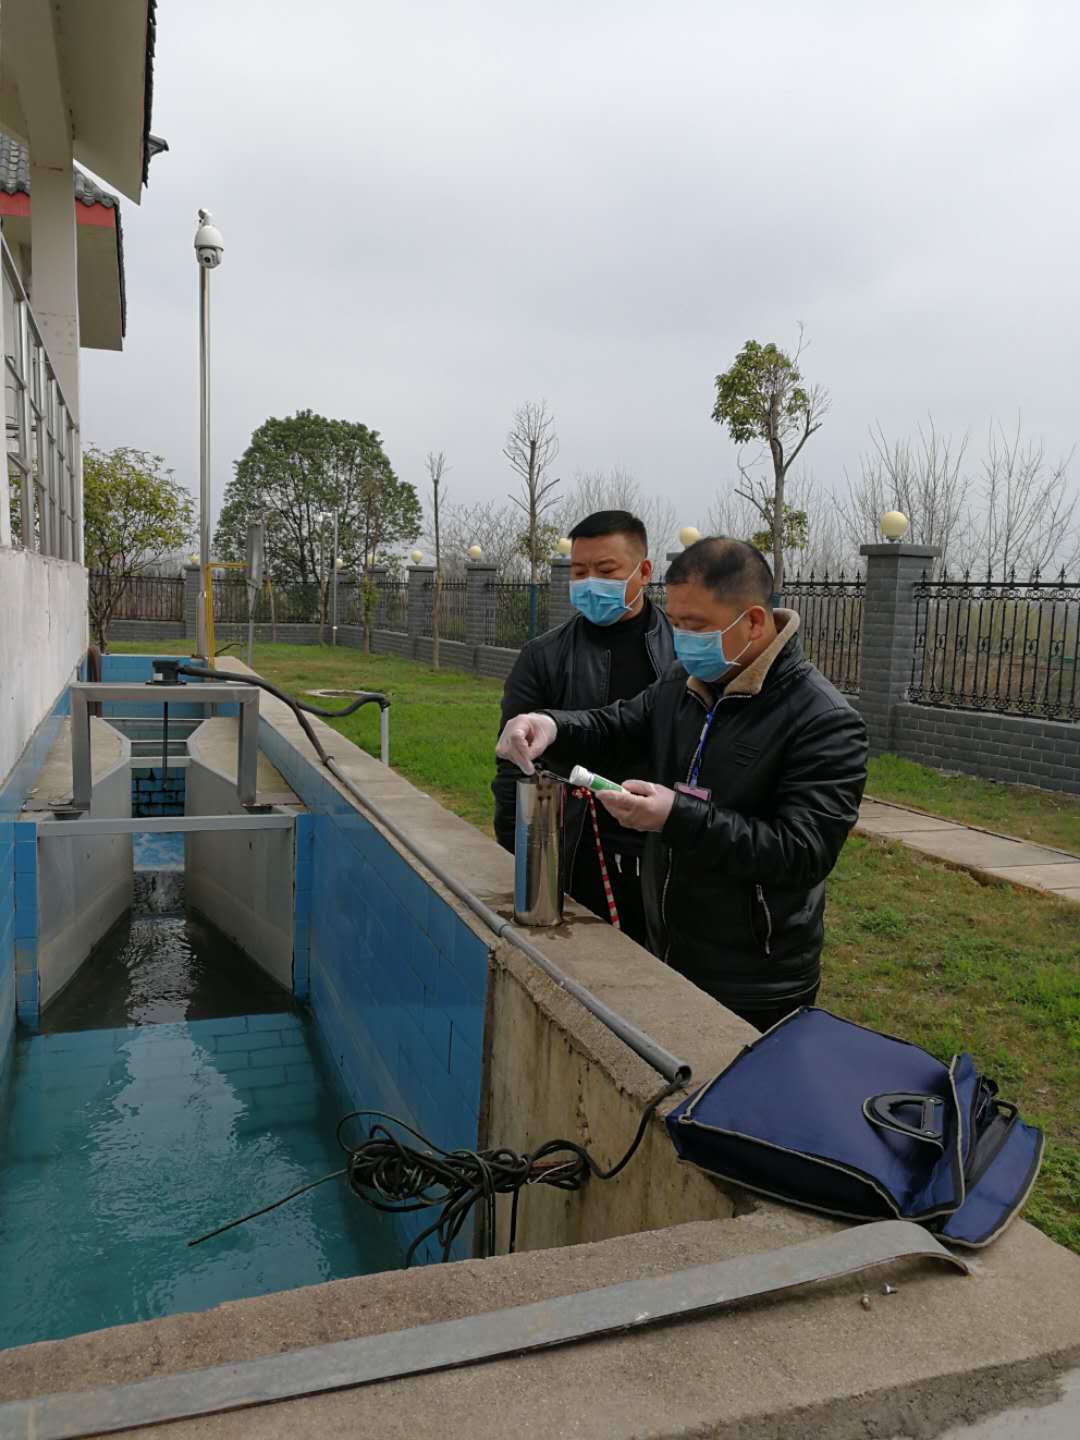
column 42, row 435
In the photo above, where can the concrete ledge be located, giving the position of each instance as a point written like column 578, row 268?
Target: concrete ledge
column 944, row 1349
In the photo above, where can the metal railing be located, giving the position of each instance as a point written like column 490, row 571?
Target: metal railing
column 138, row 597
column 521, row 611
column 830, row 614
column 451, row 609
column 1009, row 646
column 44, row 469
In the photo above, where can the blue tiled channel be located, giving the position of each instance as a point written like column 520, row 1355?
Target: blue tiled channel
column 118, row 1146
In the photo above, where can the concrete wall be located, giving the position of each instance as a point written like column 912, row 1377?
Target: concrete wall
column 83, row 885
column 396, row 977
column 42, row 640
column 241, row 882
column 1045, row 753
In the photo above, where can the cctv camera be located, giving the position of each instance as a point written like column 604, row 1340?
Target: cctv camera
column 209, row 245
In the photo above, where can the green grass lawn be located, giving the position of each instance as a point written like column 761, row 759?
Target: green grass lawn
column 1043, row 816
column 912, row 948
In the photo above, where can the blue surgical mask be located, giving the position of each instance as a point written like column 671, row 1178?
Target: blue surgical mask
column 601, row 601
column 702, row 653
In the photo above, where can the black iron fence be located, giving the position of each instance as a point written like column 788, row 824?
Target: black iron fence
column 521, row 611
column 384, row 603
column 831, row 615
column 450, row 608
column 139, row 597
column 1009, row 646
column 274, row 604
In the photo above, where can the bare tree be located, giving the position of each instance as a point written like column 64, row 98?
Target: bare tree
column 618, row 489
column 1028, row 518
column 495, row 528
column 924, row 478
column 813, row 541
column 437, row 469
column 532, row 448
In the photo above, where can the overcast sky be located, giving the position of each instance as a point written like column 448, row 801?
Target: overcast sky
column 434, row 212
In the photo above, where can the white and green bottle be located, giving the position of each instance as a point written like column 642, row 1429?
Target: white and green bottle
column 585, row 780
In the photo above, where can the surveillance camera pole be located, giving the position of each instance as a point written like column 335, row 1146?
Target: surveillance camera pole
column 204, row 456
column 208, row 250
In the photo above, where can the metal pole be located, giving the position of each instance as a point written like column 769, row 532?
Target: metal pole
column 204, row 458
column 333, row 584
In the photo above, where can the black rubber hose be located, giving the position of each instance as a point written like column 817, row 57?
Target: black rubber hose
column 366, row 697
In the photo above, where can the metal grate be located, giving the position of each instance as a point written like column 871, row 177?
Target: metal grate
column 43, row 483
column 521, row 611
column 1008, row 646
column 831, row 616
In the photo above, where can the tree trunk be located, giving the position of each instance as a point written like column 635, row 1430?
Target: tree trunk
column 435, row 592
column 778, row 517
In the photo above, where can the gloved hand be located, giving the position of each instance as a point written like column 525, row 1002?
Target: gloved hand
column 639, row 805
column 525, row 738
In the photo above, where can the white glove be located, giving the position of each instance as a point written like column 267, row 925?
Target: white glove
column 525, row 738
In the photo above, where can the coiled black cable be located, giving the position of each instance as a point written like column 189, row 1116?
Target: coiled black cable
column 391, row 1174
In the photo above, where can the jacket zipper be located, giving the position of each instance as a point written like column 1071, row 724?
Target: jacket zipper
column 768, row 918
column 671, row 860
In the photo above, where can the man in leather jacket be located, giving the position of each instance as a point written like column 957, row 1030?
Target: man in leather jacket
column 616, row 645
column 759, row 767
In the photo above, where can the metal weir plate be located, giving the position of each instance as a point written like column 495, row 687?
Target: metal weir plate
column 561, row 1320
column 84, row 694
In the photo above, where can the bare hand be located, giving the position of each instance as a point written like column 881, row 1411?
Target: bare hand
column 640, row 805
column 525, row 738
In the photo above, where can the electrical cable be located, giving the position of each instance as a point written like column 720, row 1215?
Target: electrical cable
column 392, row 1175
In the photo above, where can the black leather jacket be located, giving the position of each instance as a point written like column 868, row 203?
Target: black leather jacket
column 566, row 669
column 734, row 885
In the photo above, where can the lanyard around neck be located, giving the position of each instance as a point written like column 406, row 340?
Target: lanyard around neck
column 695, row 764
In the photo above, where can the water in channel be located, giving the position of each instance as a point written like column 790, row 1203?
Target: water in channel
column 173, row 1087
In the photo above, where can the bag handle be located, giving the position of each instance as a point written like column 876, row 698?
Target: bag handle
column 881, row 1110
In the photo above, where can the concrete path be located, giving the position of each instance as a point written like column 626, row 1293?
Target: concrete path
column 1016, row 862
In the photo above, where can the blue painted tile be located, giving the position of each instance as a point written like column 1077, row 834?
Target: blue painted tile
column 436, row 1027
column 26, row 892
column 26, row 990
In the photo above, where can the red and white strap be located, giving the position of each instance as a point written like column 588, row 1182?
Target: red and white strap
column 609, row 895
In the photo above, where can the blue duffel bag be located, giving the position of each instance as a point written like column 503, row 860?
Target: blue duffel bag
column 827, row 1114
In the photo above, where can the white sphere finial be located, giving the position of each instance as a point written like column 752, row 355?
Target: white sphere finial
column 894, row 525
column 564, row 546
column 474, row 552
column 689, row 535
column 416, row 556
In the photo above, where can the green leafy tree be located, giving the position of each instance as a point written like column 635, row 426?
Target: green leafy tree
column 538, row 546
column 134, row 514
column 298, row 470
column 762, row 399
column 794, row 535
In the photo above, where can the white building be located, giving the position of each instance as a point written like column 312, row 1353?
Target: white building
column 75, row 89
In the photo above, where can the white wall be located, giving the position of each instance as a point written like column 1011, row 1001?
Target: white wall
column 84, row 884
column 243, row 883
column 42, row 639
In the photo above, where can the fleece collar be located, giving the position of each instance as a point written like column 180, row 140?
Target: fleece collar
column 750, row 680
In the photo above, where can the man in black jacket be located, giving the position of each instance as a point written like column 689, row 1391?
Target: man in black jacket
column 760, row 766
column 616, row 645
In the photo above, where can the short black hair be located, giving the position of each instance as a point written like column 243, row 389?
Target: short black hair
column 731, row 569
column 611, row 522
